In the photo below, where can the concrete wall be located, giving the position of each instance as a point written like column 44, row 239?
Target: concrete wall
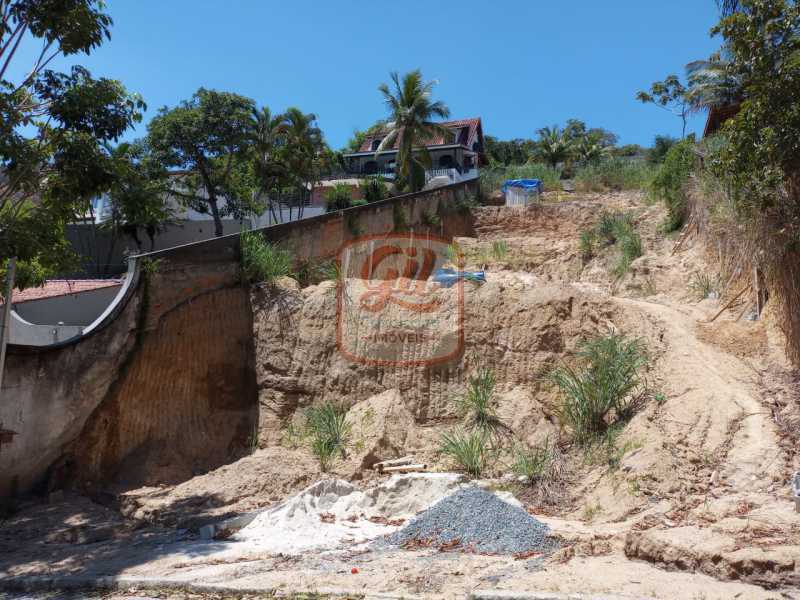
column 71, row 309
column 162, row 386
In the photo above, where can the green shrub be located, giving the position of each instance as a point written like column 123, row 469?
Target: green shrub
column 533, row 463
column 614, row 173
column 661, row 145
column 430, row 219
column 330, row 270
column 603, row 386
column 469, row 450
column 586, row 244
column 669, row 184
column 339, row 197
column 400, row 218
column 375, row 189
column 262, row 261
column 478, row 405
column 499, row 249
column 328, row 431
column 703, row 285
column 614, row 228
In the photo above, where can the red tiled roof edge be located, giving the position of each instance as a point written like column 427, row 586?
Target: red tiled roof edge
column 473, row 123
column 62, row 287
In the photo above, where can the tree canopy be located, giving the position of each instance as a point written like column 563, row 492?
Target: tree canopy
column 54, row 130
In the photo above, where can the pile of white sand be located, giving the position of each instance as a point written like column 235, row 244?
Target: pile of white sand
column 333, row 513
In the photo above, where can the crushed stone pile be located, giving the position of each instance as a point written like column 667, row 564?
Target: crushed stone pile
column 476, row 520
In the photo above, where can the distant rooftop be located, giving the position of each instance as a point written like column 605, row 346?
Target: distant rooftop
column 467, row 131
column 62, row 287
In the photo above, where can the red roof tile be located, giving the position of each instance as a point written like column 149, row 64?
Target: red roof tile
column 470, row 131
column 62, row 287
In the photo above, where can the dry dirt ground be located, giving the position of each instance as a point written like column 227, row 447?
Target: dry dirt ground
column 692, row 503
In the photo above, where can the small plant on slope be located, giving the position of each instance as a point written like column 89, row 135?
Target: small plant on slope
column 262, row 261
column 499, row 249
column 328, row 431
column 602, row 387
column 532, row 463
column 470, row 450
column 478, row 405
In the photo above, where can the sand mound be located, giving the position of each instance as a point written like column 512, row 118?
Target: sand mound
column 332, row 513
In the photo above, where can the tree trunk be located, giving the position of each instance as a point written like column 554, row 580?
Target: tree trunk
column 212, row 202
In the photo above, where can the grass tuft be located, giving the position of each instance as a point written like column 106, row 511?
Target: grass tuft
column 603, row 387
column 328, row 431
column 262, row 261
column 469, row 450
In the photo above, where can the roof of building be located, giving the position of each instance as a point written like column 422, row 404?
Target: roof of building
column 717, row 116
column 62, row 287
column 470, row 132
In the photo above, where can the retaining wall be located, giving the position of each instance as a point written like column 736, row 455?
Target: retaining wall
column 163, row 386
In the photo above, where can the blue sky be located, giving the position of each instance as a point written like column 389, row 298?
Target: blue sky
column 519, row 65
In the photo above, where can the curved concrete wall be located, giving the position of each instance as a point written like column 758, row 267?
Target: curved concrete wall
column 162, row 385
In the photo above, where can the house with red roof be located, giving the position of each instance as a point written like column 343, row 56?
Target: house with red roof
column 456, row 155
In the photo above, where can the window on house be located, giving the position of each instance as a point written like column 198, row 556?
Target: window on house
column 375, row 144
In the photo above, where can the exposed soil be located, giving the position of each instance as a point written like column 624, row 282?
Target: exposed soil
column 694, row 501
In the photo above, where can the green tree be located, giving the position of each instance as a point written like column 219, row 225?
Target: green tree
column 139, row 195
column 209, row 137
column 270, row 171
column 411, row 125
column 54, row 130
column 672, row 96
column 554, row 145
column 304, row 156
column 661, row 145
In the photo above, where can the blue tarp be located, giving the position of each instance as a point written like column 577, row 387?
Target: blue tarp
column 447, row 277
column 525, row 184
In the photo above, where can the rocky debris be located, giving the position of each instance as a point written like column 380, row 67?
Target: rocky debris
column 713, row 553
column 476, row 520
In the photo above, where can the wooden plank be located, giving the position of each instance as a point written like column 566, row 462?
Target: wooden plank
column 405, row 460
column 729, row 303
column 404, row 468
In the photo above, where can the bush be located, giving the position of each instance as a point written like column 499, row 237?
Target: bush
column 670, row 182
column 328, row 431
column 375, row 189
column 499, row 249
column 430, row 219
column 468, row 450
column 602, row 387
column 532, row 463
column 339, row 197
column 614, row 174
column 613, row 228
column 262, row 261
column 478, row 403
column 661, row 145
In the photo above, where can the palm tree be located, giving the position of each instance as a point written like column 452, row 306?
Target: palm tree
column 411, row 126
column 304, row 144
column 268, row 135
column 554, row 145
column 589, row 149
column 712, row 83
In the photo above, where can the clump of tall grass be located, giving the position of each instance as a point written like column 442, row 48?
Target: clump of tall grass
column 262, row 261
column 499, row 249
column 477, row 405
column 468, row 449
column 671, row 181
column 430, row 219
column 532, row 462
column 614, row 173
column 703, row 285
column 330, row 270
column 329, row 432
column 603, row 388
column 613, row 228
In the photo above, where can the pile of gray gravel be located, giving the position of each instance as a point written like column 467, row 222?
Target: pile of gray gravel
column 475, row 520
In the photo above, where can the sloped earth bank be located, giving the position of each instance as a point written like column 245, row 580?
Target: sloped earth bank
column 694, row 503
